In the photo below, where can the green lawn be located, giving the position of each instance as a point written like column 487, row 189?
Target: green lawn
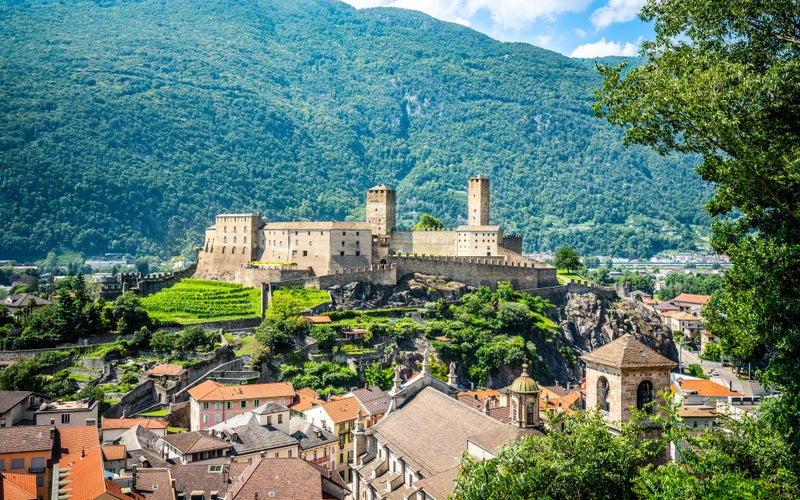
column 196, row 301
column 564, row 276
column 249, row 346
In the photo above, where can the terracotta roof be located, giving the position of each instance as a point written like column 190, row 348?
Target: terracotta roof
column 692, row 299
column 214, row 391
column 319, row 319
column 667, row 306
column 26, row 438
column 10, row 399
column 343, row 409
column 73, row 440
column 15, row 486
column 113, row 452
column 372, row 399
column 195, row 442
column 286, row 477
column 86, row 476
column 307, row 392
column 684, row 316
column 697, row 411
column 23, row 299
column 627, row 352
column 127, row 423
column 306, row 400
column 669, row 313
column 198, row 477
column 705, row 388
column 166, row 371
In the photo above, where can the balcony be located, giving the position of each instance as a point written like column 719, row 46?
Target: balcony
column 36, row 470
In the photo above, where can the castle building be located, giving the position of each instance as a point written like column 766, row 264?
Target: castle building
column 622, row 374
column 247, row 249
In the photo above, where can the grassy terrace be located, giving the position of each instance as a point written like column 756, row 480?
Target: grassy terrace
column 307, row 297
column 196, row 301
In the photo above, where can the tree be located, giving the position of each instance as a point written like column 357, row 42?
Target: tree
column 128, row 313
column 721, row 81
column 642, row 282
column 567, row 258
column 428, row 223
column 583, row 461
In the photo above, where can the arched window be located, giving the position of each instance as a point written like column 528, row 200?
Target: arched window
column 531, row 417
column 603, row 394
column 644, row 395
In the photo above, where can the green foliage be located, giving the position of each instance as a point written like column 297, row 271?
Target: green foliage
column 136, row 149
column 194, row 300
column 428, row 223
column 696, row 370
column 583, row 461
column 382, row 377
column 325, row 378
column 514, row 317
column 567, row 258
column 325, row 337
column 643, row 282
column 711, row 352
column 721, row 81
column 128, row 314
column 678, row 283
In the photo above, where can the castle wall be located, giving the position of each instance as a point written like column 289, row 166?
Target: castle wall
column 513, row 243
column 479, row 271
column 425, row 242
column 383, row 275
column 478, row 241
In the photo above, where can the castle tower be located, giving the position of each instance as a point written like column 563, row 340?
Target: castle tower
column 524, row 395
column 478, row 203
column 622, row 374
column 381, row 209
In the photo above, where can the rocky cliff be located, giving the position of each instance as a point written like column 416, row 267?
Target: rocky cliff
column 587, row 321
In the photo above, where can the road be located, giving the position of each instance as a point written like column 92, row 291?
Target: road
column 724, row 374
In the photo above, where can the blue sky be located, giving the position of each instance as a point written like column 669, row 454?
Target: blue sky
column 575, row 28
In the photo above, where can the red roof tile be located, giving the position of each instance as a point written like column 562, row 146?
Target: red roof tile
column 14, row 486
column 214, row 391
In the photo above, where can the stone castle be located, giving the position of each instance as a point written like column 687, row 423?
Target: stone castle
column 246, row 249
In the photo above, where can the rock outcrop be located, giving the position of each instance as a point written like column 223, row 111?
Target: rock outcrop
column 413, row 290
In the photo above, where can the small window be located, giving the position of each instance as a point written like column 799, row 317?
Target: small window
column 242, row 404
column 2, row 464
column 280, row 418
column 343, row 243
column 17, row 463
column 228, row 405
column 290, row 453
column 234, row 239
column 217, row 406
column 65, row 418
column 358, row 253
column 217, row 418
column 277, row 454
column 205, row 405
column 341, row 253
column 39, row 481
column 205, row 418
column 256, row 403
column 305, row 253
column 215, row 468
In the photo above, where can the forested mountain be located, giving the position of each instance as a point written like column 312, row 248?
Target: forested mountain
column 126, row 126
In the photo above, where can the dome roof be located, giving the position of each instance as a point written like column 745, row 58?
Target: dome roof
column 524, row 384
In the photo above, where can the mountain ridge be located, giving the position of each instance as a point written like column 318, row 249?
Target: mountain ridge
column 129, row 125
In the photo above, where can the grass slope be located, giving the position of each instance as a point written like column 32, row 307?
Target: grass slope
column 196, row 301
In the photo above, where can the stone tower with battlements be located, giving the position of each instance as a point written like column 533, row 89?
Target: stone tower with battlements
column 381, row 209
column 478, row 203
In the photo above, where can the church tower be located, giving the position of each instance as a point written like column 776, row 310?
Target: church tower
column 478, row 204
column 524, row 395
column 381, row 207
column 622, row 374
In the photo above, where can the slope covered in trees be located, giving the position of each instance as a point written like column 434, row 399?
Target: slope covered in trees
column 127, row 125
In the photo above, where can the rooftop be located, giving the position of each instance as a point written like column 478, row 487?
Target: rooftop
column 372, row 399
column 627, row 352
column 166, row 371
column 342, row 410
column 127, row 423
column 690, row 298
column 214, row 391
column 26, row 438
column 195, row 442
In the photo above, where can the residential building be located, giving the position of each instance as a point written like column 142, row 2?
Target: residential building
column 112, row 428
column 115, row 458
column 154, row 484
column 249, row 438
column 17, row 486
column 212, row 403
column 193, row 446
column 168, row 374
column 28, row 449
column 68, row 413
column 373, row 400
column 19, row 407
column 691, row 302
column 287, row 478
column 339, row 417
column 317, row 445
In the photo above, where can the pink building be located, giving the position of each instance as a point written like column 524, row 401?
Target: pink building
column 212, row 402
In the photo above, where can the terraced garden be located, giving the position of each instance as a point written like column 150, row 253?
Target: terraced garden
column 196, row 301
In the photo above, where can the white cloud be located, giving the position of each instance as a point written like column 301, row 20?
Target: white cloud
column 604, row 48
column 513, row 15
column 616, row 11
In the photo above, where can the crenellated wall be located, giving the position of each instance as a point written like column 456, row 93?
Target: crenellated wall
column 479, row 271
